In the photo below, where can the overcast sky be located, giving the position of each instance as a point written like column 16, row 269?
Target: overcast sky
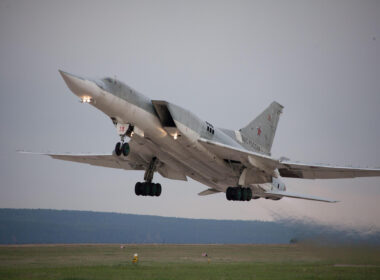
column 224, row 60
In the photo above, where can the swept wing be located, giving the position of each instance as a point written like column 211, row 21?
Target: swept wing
column 138, row 159
column 287, row 168
column 323, row 171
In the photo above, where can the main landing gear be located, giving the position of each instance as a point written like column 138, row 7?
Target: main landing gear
column 148, row 188
column 239, row 194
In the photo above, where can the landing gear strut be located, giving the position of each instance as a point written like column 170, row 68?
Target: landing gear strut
column 148, row 188
column 239, row 194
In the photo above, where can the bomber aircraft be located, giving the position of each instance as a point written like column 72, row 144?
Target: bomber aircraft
column 177, row 144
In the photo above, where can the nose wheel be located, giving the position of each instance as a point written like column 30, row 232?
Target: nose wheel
column 122, row 148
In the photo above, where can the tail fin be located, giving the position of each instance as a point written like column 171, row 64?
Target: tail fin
column 259, row 133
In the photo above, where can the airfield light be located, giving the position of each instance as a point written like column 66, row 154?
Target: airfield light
column 175, row 136
column 135, row 258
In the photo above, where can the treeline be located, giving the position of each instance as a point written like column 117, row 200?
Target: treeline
column 28, row 226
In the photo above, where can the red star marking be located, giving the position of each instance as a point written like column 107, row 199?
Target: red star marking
column 269, row 117
column 258, row 131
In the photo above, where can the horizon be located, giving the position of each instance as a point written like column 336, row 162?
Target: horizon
column 51, row 226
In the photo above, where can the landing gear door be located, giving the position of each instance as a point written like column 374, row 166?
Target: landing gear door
column 122, row 128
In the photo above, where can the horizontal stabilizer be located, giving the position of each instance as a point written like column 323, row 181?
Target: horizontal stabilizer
column 209, row 191
column 280, row 194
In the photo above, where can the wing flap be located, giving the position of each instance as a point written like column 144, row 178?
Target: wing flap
column 171, row 173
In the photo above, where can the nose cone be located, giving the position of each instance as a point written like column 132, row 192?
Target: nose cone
column 76, row 84
column 80, row 86
column 66, row 75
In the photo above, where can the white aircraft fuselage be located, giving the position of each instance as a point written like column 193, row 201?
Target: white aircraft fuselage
column 127, row 106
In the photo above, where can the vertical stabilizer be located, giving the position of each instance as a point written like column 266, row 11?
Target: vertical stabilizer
column 259, row 133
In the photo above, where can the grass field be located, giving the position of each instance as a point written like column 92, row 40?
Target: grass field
column 76, row 262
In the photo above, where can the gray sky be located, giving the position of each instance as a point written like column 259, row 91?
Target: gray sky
column 225, row 61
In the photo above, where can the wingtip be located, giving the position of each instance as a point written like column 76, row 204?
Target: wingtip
column 30, row 153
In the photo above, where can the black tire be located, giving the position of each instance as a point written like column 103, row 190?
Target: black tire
column 118, row 149
column 147, row 188
column 237, row 194
column 142, row 189
column 229, row 193
column 249, row 197
column 138, row 188
column 158, row 190
column 125, row 149
column 244, row 194
column 153, row 189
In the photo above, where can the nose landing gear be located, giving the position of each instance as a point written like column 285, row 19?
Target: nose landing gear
column 123, row 130
column 122, row 148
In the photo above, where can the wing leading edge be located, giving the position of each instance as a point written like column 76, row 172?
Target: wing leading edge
column 104, row 160
column 119, row 162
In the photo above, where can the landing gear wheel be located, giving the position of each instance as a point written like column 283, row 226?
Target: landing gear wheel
column 138, row 188
column 244, row 194
column 153, row 189
column 249, row 196
column 118, row 149
column 147, row 188
column 125, row 149
column 158, row 189
column 237, row 194
column 229, row 193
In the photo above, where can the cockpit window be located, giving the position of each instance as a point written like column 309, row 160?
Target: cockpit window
column 100, row 83
column 210, row 128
